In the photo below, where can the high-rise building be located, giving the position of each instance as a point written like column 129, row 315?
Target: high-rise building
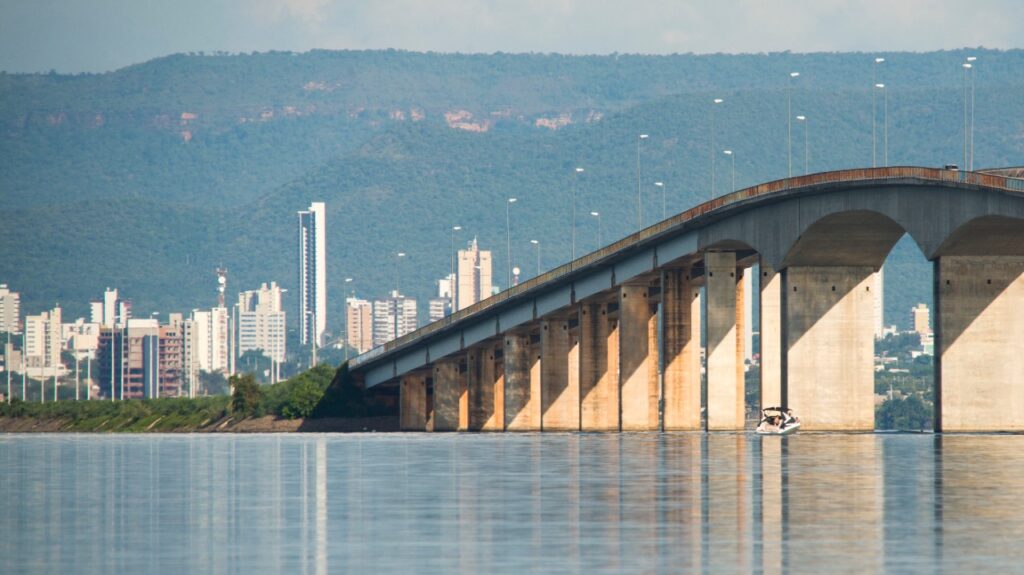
column 10, row 310
column 312, row 274
column 111, row 311
column 205, row 345
column 261, row 322
column 43, row 344
column 474, row 281
column 393, row 317
column 141, row 359
column 359, row 324
column 922, row 320
column 441, row 304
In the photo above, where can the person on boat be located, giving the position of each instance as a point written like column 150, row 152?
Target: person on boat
column 769, row 424
column 789, row 419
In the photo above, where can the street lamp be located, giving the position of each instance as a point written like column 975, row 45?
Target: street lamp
column 575, row 174
column 970, row 61
column 789, row 117
column 451, row 274
column 398, row 271
column 536, row 244
column 714, row 103
column 639, row 200
column 508, row 240
column 885, row 124
column 662, row 186
column 733, row 158
column 598, row 216
column 803, row 120
column 874, row 162
column 966, row 66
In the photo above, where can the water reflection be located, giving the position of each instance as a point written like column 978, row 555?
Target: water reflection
column 573, row 503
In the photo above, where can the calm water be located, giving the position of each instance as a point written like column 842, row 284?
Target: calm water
column 504, row 503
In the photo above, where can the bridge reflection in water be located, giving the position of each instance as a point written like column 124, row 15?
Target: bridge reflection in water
column 574, row 503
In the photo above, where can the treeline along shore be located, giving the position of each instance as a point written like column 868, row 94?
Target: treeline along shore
column 323, row 398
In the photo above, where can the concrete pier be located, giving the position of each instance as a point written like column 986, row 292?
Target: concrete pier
column 829, row 342
column 485, row 380
column 599, row 368
column 522, row 383
column 681, row 303
column 451, row 399
column 559, row 376
column 771, row 337
column 725, row 385
column 413, row 402
column 979, row 343
column 638, row 360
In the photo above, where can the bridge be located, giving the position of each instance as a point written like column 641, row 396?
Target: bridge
column 614, row 340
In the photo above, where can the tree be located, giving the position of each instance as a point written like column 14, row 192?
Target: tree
column 213, row 383
column 908, row 414
column 247, row 396
column 302, row 399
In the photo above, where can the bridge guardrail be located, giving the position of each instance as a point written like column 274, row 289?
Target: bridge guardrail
column 894, row 174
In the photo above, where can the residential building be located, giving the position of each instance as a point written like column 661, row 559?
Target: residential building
column 359, row 324
column 141, row 359
column 441, row 305
column 393, row 317
column 43, row 344
column 261, row 322
column 111, row 311
column 312, row 284
column 10, row 310
column 922, row 320
column 474, row 275
column 205, row 346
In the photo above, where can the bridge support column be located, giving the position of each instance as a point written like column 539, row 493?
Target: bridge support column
column 681, row 303
column 599, row 368
column 485, row 381
column 829, row 345
column 638, row 359
column 559, row 376
column 771, row 337
column 522, row 384
column 979, row 329
column 412, row 402
column 451, row 400
column 725, row 387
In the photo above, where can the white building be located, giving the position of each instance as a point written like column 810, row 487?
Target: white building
column 393, row 317
column 312, row 273
column 81, row 337
column 43, row 344
column 261, row 322
column 474, row 275
column 10, row 310
column 205, row 345
column 441, row 305
column 111, row 311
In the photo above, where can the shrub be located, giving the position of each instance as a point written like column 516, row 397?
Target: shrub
column 247, row 397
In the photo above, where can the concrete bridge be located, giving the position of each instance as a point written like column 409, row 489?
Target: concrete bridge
column 613, row 341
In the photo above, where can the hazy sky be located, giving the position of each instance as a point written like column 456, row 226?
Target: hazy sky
column 101, row 35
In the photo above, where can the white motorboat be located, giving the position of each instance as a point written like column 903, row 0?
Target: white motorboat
column 777, row 421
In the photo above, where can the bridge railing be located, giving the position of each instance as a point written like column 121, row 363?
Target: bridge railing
column 873, row 175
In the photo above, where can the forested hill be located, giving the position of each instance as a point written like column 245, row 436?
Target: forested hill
column 149, row 177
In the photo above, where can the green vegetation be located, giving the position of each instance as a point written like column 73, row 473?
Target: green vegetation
column 908, row 413
column 316, row 393
column 908, row 384
column 149, row 177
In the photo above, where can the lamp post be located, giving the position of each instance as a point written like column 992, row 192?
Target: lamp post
column 714, row 104
column 508, row 240
column 398, row 271
column 598, row 216
column 966, row 66
column 536, row 244
column 789, row 118
column 639, row 198
column 971, row 60
column 663, row 208
column 874, row 162
column 733, row 158
column 885, row 124
column 273, row 356
column 575, row 174
column 803, row 120
column 451, row 274
column 156, row 392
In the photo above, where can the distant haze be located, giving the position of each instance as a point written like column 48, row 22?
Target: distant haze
column 103, row 35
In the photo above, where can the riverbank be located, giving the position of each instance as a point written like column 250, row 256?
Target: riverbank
column 171, row 424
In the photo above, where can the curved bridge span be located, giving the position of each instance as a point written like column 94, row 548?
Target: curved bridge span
column 614, row 340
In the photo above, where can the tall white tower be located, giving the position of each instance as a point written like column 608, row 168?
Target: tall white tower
column 312, row 273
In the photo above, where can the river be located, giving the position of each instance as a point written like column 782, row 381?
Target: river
column 512, row 503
